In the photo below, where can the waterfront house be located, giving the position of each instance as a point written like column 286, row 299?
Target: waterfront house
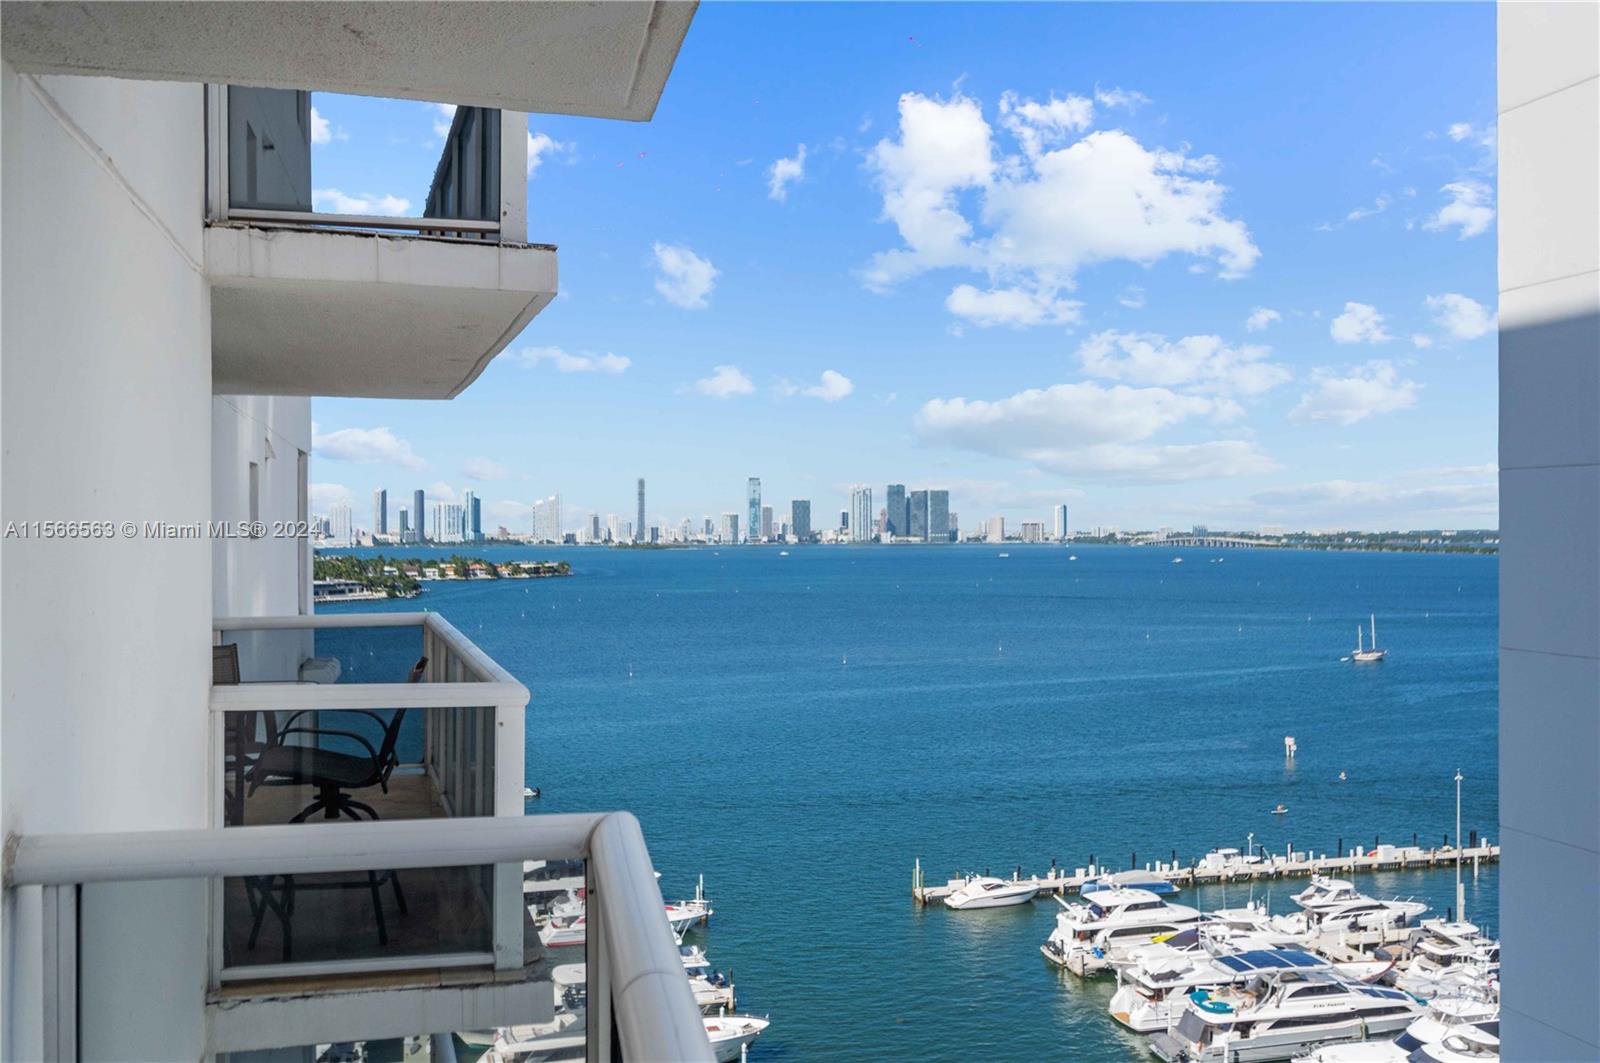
column 171, row 302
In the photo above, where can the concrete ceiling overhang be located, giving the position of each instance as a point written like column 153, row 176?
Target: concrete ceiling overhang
column 605, row 60
column 320, row 312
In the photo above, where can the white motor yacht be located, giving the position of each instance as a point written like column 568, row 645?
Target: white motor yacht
column 697, row 909
column 1277, row 1016
column 1226, row 862
column 985, row 891
column 1445, row 1016
column 730, row 1033
column 1325, row 893
column 1462, row 979
column 1438, row 945
column 1368, row 913
column 564, row 932
column 1088, row 932
column 1153, row 993
column 1477, row 1043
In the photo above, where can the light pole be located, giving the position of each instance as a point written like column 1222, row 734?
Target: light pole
column 1461, row 896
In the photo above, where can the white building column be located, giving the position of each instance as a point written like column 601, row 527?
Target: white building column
column 1549, row 225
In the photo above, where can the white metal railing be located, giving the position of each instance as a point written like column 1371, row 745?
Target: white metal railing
column 508, row 184
column 472, row 754
column 636, row 983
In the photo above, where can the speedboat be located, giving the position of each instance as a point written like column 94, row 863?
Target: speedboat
column 985, row 891
column 697, row 909
column 730, row 1033
column 1087, row 933
column 564, row 932
column 1445, row 1016
column 1153, row 993
column 1325, row 893
column 1477, row 1043
column 1276, row 1016
column 1367, row 913
column 1130, row 880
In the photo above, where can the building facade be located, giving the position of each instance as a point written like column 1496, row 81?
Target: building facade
column 860, row 517
column 800, row 519
column 752, row 507
column 895, row 511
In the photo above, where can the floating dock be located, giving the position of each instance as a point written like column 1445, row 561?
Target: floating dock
column 1058, row 882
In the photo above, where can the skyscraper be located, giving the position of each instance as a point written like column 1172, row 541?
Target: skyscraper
column 638, row 525
column 939, row 516
column 380, row 512
column 752, row 498
column 594, row 527
column 1061, row 522
column 472, row 517
column 996, row 531
column 895, row 506
column 800, row 519
column 861, row 514
column 343, row 533
column 547, row 519
column 766, row 523
column 730, row 528
column 420, row 532
column 917, row 517
column 405, row 525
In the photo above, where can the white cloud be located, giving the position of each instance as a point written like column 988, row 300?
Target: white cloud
column 1013, row 307
column 484, row 469
column 1387, row 504
column 323, row 497
column 833, row 387
column 333, row 201
column 1359, row 323
column 1260, row 318
column 1366, row 390
column 1132, row 297
column 684, row 278
column 725, row 382
column 1203, row 363
column 443, row 115
column 540, row 145
column 1090, row 430
column 785, row 172
column 439, row 491
column 1420, row 341
column 1051, row 209
column 366, row 446
column 1468, row 211
column 1483, row 136
column 322, row 131
column 1460, row 130
column 1379, row 205
column 1461, row 317
column 567, row 362
column 1117, row 97
column 1038, row 126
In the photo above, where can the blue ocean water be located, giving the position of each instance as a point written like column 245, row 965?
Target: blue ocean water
column 801, row 728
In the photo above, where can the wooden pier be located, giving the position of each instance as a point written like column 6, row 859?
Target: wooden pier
column 1057, row 882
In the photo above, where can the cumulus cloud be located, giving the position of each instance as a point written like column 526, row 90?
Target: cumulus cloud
column 832, row 387
column 1054, row 207
column 439, row 491
column 443, row 115
column 1132, row 297
column 322, row 131
column 1355, row 394
column 333, row 201
column 1089, row 430
column 1389, row 504
column 1460, row 317
column 540, row 145
column 785, row 172
column 1260, row 318
column 684, row 278
column 1013, row 307
column 725, row 382
column 365, row 446
column 568, row 362
column 1202, row 363
column 1359, row 323
column 484, row 469
column 1468, row 211
column 323, row 497
column 1421, row 341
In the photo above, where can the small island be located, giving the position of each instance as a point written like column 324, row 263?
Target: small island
column 345, row 578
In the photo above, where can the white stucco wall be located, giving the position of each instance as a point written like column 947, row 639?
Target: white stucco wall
column 106, row 398
column 1549, row 135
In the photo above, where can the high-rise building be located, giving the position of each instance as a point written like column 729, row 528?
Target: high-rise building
column 917, row 517
column 955, row 528
column 710, row 528
column 996, row 532
column 1060, row 513
column 472, row 516
column 861, row 514
column 897, row 521
column 939, row 516
column 639, row 524
column 547, row 519
column 766, row 523
column 800, row 519
column 594, row 527
column 730, row 528
column 405, row 525
column 380, row 512
column 342, row 529
column 844, row 520
column 1033, row 531
column 420, row 532
column 752, row 498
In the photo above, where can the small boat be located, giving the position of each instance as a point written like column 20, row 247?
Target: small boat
column 730, row 1033
column 530, row 792
column 783, row 553
column 1280, row 810
column 1363, row 656
column 985, row 891
column 1072, row 557
column 1177, row 561
column 1004, row 554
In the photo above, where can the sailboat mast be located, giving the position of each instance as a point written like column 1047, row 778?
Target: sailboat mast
column 1359, row 633
column 1374, row 630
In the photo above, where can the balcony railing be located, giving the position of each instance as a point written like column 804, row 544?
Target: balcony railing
column 640, row 1006
column 259, row 170
column 377, row 717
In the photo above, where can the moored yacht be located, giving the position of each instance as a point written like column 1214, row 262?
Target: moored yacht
column 1127, row 880
column 1153, row 993
column 1276, row 1016
column 1088, row 932
column 1367, row 913
column 697, row 909
column 1438, row 945
column 730, row 1033
column 985, row 891
column 1324, row 892
column 1227, row 862
column 1446, row 1016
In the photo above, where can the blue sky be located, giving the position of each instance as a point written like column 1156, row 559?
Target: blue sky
column 1169, row 264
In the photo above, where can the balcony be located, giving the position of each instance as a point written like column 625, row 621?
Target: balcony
column 311, row 303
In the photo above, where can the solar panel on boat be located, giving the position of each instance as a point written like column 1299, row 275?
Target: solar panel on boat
column 1269, row 960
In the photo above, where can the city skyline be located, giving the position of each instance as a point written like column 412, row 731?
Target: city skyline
column 1299, row 332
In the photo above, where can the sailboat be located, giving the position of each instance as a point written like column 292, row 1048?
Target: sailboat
column 1373, row 654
